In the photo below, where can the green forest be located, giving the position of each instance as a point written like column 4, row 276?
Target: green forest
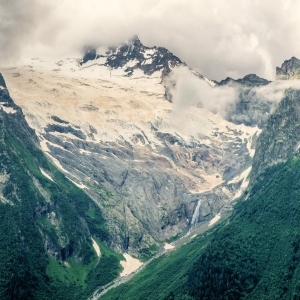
column 253, row 254
column 46, row 225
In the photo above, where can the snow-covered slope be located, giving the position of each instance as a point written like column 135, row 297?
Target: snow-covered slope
column 112, row 132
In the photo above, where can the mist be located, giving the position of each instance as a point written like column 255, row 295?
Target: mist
column 218, row 39
column 188, row 90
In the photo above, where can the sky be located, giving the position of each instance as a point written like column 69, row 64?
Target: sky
column 215, row 37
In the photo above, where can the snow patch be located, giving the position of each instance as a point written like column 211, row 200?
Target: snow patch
column 244, row 184
column 210, row 82
column 214, row 220
column 46, row 175
column 96, row 247
column 80, row 185
column 130, row 264
column 8, row 110
column 168, row 246
column 131, row 64
column 149, row 52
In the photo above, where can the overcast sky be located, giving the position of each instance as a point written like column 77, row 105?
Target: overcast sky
column 215, row 37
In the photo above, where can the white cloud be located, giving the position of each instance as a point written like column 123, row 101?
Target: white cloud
column 218, row 38
column 188, row 91
column 275, row 90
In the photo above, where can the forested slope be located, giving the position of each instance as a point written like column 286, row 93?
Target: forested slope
column 46, row 222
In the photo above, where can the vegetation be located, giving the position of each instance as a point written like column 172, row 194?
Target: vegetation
column 254, row 254
column 45, row 246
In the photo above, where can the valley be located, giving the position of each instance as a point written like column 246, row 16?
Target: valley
column 118, row 175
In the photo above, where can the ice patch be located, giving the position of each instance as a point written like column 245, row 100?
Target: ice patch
column 168, row 246
column 131, row 64
column 149, row 52
column 96, row 247
column 8, row 110
column 148, row 61
column 130, row 265
column 46, row 175
column 214, row 220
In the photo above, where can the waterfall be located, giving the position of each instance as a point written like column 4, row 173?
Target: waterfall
column 196, row 214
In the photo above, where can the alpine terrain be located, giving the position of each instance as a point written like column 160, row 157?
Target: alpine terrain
column 105, row 122
column 105, row 161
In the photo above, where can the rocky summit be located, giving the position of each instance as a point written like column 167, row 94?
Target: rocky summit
column 132, row 57
column 290, row 69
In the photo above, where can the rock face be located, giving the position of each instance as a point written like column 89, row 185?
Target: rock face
column 279, row 140
column 107, row 125
column 132, row 56
column 290, row 69
column 249, row 108
column 2, row 82
column 45, row 219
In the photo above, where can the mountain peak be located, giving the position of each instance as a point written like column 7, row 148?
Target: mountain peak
column 290, row 69
column 2, row 82
column 248, row 80
column 132, row 56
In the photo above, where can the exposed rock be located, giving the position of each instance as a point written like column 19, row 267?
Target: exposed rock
column 133, row 55
column 2, row 82
column 279, row 140
column 145, row 169
column 290, row 69
column 249, row 109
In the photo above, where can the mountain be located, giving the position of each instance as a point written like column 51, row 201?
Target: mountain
column 249, row 108
column 252, row 253
column 96, row 158
column 49, row 227
column 153, row 174
column 280, row 139
column 250, row 80
column 290, row 69
column 134, row 57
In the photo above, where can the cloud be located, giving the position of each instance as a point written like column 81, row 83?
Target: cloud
column 188, row 91
column 217, row 38
column 275, row 90
column 20, row 27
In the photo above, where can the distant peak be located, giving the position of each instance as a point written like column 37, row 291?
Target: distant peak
column 133, row 55
column 248, row 80
column 2, row 82
column 294, row 58
column 290, row 69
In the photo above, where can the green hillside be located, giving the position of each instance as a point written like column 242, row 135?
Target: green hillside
column 254, row 254
column 46, row 223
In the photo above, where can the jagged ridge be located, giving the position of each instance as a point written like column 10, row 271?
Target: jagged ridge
column 290, row 69
column 134, row 55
